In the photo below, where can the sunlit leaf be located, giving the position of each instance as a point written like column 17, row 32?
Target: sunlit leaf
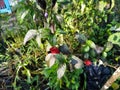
column 50, row 59
column 28, row 76
column 117, row 58
column 104, row 54
column 52, row 28
column 91, row 44
column 61, row 71
column 86, row 48
column 82, row 7
column 60, row 39
column 24, row 15
column 59, row 18
column 102, row 5
column 115, row 38
column 115, row 86
column 39, row 71
column 100, row 62
column 38, row 39
column 108, row 46
column 30, row 34
column 118, row 29
column 48, row 46
column 112, row 4
column 115, row 28
column 34, row 16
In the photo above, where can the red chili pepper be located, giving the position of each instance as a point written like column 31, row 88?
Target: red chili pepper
column 87, row 62
column 54, row 50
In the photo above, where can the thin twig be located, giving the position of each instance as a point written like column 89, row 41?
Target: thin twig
column 106, row 64
column 113, row 78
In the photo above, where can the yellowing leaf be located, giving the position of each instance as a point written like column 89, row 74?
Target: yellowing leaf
column 23, row 15
column 61, row 71
column 50, row 59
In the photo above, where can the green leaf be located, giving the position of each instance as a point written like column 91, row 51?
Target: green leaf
column 48, row 46
column 91, row 44
column 45, row 33
column 52, row 40
column 80, row 37
column 108, row 46
column 115, row 28
column 60, row 58
column 115, row 38
column 92, row 53
column 24, row 14
column 38, row 39
column 28, row 76
column 117, row 58
column 86, row 48
column 61, row 71
column 59, row 31
column 47, row 72
column 104, row 54
column 86, row 55
column 82, row 7
column 115, row 86
column 59, row 18
column 102, row 5
column 112, row 4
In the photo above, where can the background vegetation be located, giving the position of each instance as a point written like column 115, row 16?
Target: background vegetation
column 80, row 29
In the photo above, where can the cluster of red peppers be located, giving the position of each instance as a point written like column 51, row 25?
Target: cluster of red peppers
column 54, row 50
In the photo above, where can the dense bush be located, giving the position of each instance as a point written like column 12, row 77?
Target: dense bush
column 63, row 44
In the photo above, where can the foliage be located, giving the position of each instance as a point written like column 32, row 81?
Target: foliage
column 79, row 29
column 114, row 38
